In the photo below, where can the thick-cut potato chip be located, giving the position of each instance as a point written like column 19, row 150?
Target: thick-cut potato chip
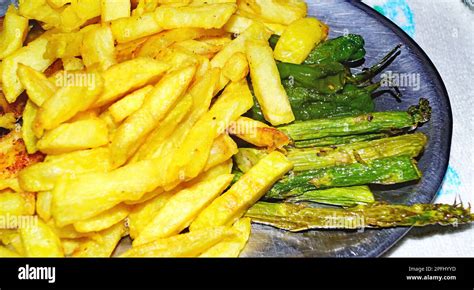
column 122, row 109
column 236, row 68
column 27, row 132
column 39, row 240
column 231, row 205
column 130, row 135
column 232, row 246
column 274, row 11
column 79, row 92
column 38, row 87
column 299, row 39
column 182, row 208
column 128, row 76
column 78, row 135
column 16, row 204
column 103, row 244
column 43, row 205
column 103, row 220
column 190, row 244
column 15, row 28
column 41, row 11
column 98, row 48
column 135, row 27
column 31, row 55
column 77, row 199
column 42, row 176
column 222, row 149
column 267, row 85
column 193, row 154
column 258, row 133
column 115, row 9
column 204, row 16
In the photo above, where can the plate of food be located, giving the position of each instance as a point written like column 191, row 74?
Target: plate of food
column 216, row 128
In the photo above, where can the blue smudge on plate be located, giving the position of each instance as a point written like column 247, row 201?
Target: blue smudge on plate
column 451, row 183
column 399, row 12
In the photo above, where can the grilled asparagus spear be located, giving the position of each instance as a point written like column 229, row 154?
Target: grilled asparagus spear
column 338, row 140
column 298, row 217
column 377, row 122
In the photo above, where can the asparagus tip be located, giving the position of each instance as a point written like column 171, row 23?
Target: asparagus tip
column 421, row 112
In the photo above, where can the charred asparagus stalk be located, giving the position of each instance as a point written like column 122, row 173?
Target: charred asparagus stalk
column 377, row 122
column 338, row 140
column 389, row 170
column 298, row 217
column 341, row 196
column 366, row 151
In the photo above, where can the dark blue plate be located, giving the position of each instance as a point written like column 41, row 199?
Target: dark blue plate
column 381, row 36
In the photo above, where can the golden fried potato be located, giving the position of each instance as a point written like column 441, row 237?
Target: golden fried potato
column 204, row 16
column 41, row 11
column 128, row 76
column 73, row 64
column 39, row 240
column 16, row 204
column 7, row 253
column 63, row 45
column 258, row 133
column 236, row 68
column 8, row 121
column 102, row 245
column 130, row 135
column 103, row 220
column 135, row 27
column 182, row 208
column 15, row 29
column 43, row 205
column 38, row 87
column 42, row 176
column 11, row 238
column 190, row 244
column 58, row 3
column 231, row 205
column 31, row 55
column 267, row 85
column 231, row 246
column 78, row 135
column 206, row 2
column 79, row 13
column 274, row 11
column 299, row 39
column 222, row 150
column 129, row 104
column 27, row 132
column 115, row 9
column 237, row 24
column 98, row 48
column 198, row 47
column 10, row 183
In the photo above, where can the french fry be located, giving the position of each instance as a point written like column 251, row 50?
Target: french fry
column 11, row 238
column 222, row 149
column 299, row 39
column 206, row 2
column 115, row 9
column 7, row 253
column 135, row 27
column 30, row 55
column 103, row 244
column 236, row 68
column 73, row 64
column 232, row 246
column 78, row 135
column 40, row 240
column 204, row 16
column 198, row 47
column 237, row 24
column 191, row 244
column 128, row 50
column 66, row 44
column 220, row 41
column 43, row 205
column 258, row 133
column 41, row 11
column 8, row 121
column 42, row 176
column 15, row 28
column 71, row 245
column 98, row 48
column 129, row 104
column 79, row 13
column 67, row 232
column 193, row 154
column 10, row 183
column 58, row 3
column 159, row 135
column 79, row 92
column 16, row 204
column 128, row 76
column 76, row 199
column 267, row 85
column 181, row 208
column 231, row 205
column 274, row 11
column 38, row 87
column 131, row 133
column 27, row 132
column 103, row 220
column 144, row 6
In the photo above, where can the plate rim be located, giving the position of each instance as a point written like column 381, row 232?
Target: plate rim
column 396, row 237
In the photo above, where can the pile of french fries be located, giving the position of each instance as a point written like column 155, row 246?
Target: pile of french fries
column 132, row 104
